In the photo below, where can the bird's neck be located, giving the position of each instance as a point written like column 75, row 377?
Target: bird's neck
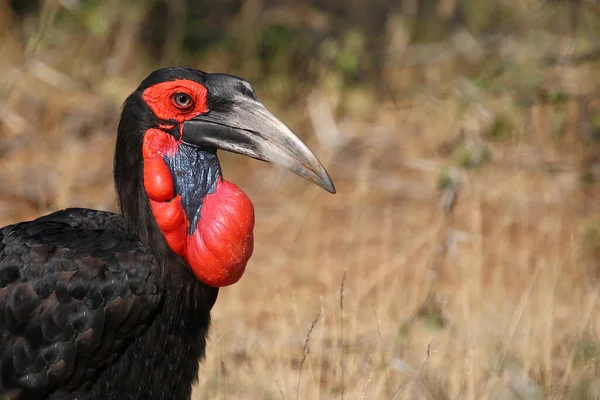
column 172, row 345
column 203, row 218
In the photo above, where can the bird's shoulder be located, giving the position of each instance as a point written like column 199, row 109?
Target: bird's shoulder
column 74, row 287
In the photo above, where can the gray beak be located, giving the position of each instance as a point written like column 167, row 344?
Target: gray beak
column 238, row 122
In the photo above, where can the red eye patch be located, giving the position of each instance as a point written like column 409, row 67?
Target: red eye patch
column 159, row 98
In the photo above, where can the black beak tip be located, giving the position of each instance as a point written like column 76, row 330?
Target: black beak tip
column 327, row 184
column 330, row 188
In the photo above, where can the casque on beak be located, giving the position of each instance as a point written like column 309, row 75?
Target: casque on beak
column 238, row 122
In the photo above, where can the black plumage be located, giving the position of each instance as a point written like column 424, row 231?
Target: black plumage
column 97, row 305
column 82, row 302
column 94, row 305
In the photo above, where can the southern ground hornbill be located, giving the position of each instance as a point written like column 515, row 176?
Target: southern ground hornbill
column 96, row 305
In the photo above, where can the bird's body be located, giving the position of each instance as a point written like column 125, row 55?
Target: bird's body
column 97, row 305
column 85, row 302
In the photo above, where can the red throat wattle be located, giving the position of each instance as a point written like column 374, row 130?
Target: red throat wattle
column 222, row 243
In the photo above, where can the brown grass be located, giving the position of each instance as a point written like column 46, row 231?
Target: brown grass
column 483, row 286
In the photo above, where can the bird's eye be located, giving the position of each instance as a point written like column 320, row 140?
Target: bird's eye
column 182, row 100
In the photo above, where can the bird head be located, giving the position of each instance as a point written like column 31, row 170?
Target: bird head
column 168, row 175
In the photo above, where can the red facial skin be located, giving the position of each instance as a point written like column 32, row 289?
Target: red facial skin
column 160, row 99
column 223, row 241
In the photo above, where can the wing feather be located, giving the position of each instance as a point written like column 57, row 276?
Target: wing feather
column 74, row 289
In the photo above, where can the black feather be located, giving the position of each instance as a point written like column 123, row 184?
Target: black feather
column 94, row 305
column 114, row 324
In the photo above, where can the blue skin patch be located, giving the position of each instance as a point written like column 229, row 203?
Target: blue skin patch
column 195, row 172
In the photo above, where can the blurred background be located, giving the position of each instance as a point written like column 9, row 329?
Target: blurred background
column 460, row 256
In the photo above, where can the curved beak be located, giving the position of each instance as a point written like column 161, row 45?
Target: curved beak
column 238, row 122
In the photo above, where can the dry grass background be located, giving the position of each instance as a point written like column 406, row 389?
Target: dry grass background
column 459, row 258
